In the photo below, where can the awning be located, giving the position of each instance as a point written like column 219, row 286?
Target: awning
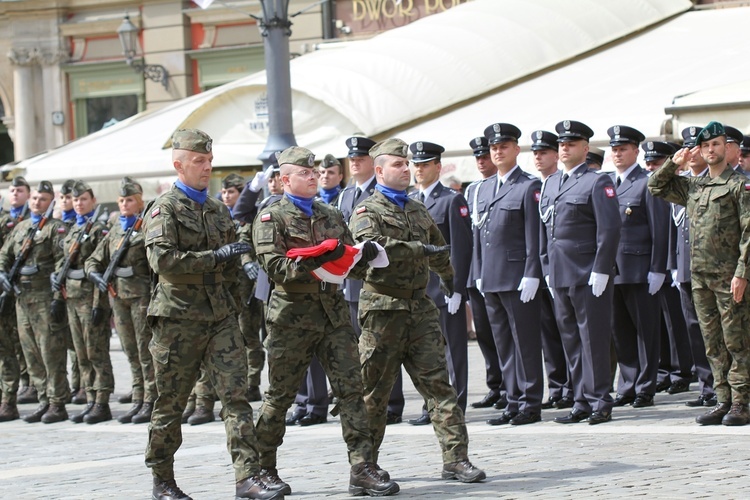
column 729, row 103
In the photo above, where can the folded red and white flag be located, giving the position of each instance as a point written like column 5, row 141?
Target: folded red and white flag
column 337, row 270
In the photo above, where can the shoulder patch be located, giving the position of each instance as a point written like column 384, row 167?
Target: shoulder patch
column 105, row 232
column 609, row 191
column 747, row 187
column 537, row 194
column 61, row 230
column 361, row 210
column 464, row 210
column 155, row 232
column 265, row 217
column 155, row 212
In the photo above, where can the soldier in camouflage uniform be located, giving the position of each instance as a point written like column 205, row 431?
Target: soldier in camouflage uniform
column 719, row 210
column 307, row 316
column 88, row 311
column 251, row 313
column 132, row 285
column 400, row 324
column 43, row 348
column 190, row 245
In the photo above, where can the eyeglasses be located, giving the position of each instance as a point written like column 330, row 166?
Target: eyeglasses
column 308, row 174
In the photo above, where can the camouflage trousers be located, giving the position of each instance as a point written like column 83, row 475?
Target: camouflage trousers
column 724, row 325
column 43, row 348
column 203, row 393
column 410, row 336
column 92, row 349
column 10, row 373
column 178, row 348
column 296, row 331
column 75, row 372
column 135, row 335
column 250, row 319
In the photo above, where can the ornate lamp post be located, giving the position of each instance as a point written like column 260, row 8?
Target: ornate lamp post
column 128, row 34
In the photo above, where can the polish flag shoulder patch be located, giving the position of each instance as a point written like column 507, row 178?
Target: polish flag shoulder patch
column 464, row 210
column 61, row 230
column 155, row 212
column 361, row 210
column 609, row 191
column 537, row 195
column 265, row 217
column 747, row 187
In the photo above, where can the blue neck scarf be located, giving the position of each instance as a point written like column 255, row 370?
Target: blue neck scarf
column 81, row 219
column 195, row 195
column 36, row 218
column 126, row 222
column 69, row 215
column 16, row 211
column 394, row 196
column 329, row 194
column 304, row 204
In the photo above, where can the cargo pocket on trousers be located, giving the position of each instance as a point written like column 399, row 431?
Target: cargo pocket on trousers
column 159, row 353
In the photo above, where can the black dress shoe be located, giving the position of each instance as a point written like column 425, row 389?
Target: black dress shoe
column 423, row 420
column 503, row 419
column 599, row 417
column 622, row 400
column 312, row 419
column 696, row 402
column 642, row 400
column 490, row 399
column 678, row 387
column 712, row 401
column 663, row 385
column 565, row 402
column 550, row 403
column 573, row 417
column 296, row 416
column 391, row 418
column 524, row 418
column 501, row 403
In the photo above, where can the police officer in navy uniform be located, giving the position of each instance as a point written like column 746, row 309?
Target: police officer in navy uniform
column 450, row 212
column 478, row 197
column 559, row 386
column 642, row 268
column 362, row 170
column 734, row 149
column 595, row 158
column 510, row 241
column 579, row 238
column 680, row 263
column 745, row 153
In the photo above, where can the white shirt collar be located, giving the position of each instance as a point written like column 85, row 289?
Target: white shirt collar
column 504, row 178
column 364, row 184
column 626, row 173
column 428, row 190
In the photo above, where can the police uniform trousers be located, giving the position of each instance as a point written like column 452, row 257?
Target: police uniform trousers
column 178, row 348
column 697, row 346
column 10, row 372
column 251, row 315
column 555, row 364
column 135, row 336
column 724, row 325
column 486, row 342
column 43, row 348
column 636, row 323
column 676, row 360
column 517, row 331
column 299, row 327
column 585, row 323
column 396, row 400
column 312, row 395
column 410, row 336
column 92, row 349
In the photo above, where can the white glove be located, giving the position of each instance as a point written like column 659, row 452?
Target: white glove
column 261, row 179
column 454, row 302
column 528, row 288
column 598, row 282
column 655, row 281
column 675, row 283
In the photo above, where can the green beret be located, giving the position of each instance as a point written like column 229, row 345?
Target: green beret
column 713, row 129
column 45, row 187
column 67, row 186
column 192, row 140
column 233, row 180
column 297, row 156
column 19, row 181
column 330, row 161
column 130, row 189
column 80, row 188
column 393, row 147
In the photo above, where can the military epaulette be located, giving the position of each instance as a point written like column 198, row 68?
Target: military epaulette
column 529, row 175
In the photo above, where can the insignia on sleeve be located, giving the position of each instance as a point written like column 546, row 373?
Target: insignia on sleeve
column 61, row 230
column 155, row 232
column 105, row 232
column 155, row 212
column 10, row 224
column 464, row 211
column 609, row 191
column 747, row 187
column 265, row 217
column 537, row 194
column 361, row 210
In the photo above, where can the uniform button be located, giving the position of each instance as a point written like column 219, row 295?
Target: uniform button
column 554, row 239
column 486, row 244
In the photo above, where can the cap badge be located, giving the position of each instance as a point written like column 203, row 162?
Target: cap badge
column 496, row 128
column 209, row 145
column 311, row 160
column 692, row 131
column 566, row 124
column 420, row 146
column 616, row 129
column 354, row 142
column 404, row 150
column 539, row 135
column 650, row 146
column 706, row 134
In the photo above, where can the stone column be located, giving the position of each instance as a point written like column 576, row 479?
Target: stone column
column 24, row 144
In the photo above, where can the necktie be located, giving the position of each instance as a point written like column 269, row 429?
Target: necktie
column 357, row 193
column 618, row 182
column 421, row 196
column 499, row 185
column 564, row 178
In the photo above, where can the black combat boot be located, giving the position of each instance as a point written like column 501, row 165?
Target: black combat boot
column 78, row 417
column 8, row 412
column 167, row 490
column 79, row 397
column 202, row 415
column 133, row 411
column 254, row 487
column 28, row 395
column 99, row 413
column 270, row 477
column 55, row 413
column 36, row 416
column 144, row 416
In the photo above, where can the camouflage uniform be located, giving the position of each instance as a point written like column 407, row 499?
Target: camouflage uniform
column 251, row 311
column 193, row 320
column 10, row 371
column 91, row 342
column 719, row 212
column 306, row 317
column 43, row 348
column 397, row 329
column 75, row 372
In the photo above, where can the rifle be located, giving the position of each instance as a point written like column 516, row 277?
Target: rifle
column 75, row 248
column 23, row 254
column 120, row 250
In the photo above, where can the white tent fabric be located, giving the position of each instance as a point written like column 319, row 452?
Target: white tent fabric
column 730, row 101
column 367, row 87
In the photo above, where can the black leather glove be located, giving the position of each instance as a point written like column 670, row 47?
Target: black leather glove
column 97, row 316
column 223, row 254
column 5, row 282
column 447, row 288
column 251, row 270
column 434, row 249
column 54, row 283
column 57, row 310
column 331, row 255
column 98, row 280
column 369, row 251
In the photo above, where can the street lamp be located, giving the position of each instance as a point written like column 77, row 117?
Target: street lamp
column 128, row 34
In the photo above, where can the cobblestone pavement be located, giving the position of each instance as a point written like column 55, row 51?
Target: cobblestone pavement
column 656, row 452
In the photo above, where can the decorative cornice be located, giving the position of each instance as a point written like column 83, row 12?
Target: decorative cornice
column 23, row 56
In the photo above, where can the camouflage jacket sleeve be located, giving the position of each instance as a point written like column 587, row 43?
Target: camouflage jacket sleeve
column 7, row 255
column 439, row 263
column 665, row 183
column 366, row 226
column 742, row 196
